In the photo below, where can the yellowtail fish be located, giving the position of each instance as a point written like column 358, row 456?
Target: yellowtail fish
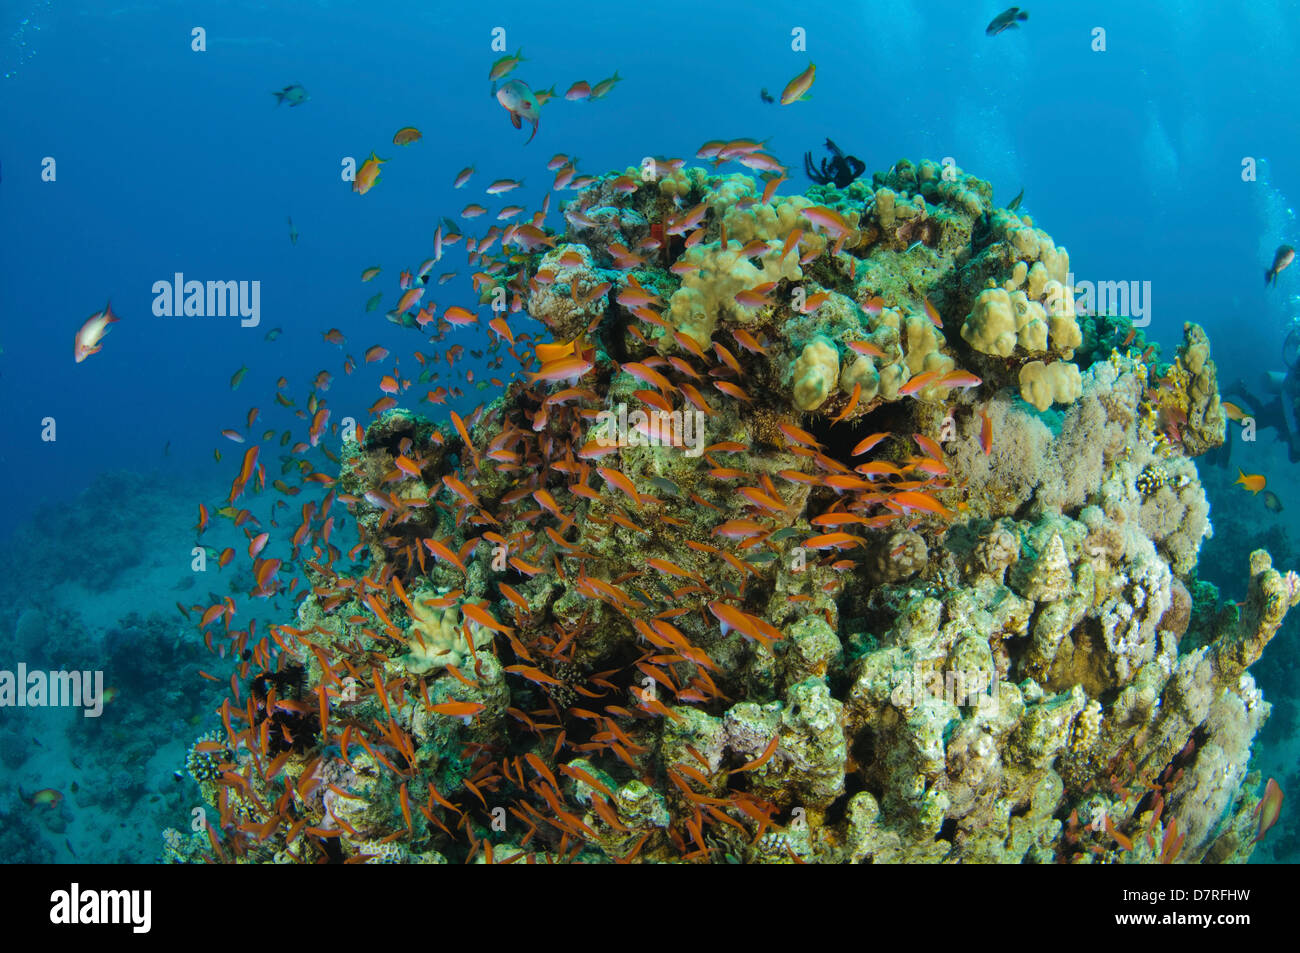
column 505, row 65
column 602, row 88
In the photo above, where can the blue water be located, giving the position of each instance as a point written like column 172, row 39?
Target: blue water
column 170, row 160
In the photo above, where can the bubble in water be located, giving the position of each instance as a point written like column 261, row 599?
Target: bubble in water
column 18, row 51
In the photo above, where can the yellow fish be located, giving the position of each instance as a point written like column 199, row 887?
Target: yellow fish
column 546, row 353
column 367, row 175
column 798, row 87
column 47, row 797
column 505, row 65
column 1251, row 481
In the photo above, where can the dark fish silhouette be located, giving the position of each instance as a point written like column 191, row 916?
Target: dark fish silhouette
column 293, row 94
column 1006, row 20
column 1284, row 255
column 1015, row 202
column 764, row 95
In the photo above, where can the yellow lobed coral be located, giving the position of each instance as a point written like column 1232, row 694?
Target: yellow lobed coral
column 1045, row 384
column 438, row 638
column 991, row 325
column 708, row 293
column 815, row 373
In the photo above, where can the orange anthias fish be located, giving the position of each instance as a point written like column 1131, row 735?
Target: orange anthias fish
column 1268, row 809
column 913, row 500
column 1233, row 412
column 959, row 379
column 457, row 709
column 88, row 338
column 827, row 219
column 932, row 313
column 407, row 135
column 918, row 383
column 569, row 368
column 367, row 175
column 752, row 627
column 1251, row 481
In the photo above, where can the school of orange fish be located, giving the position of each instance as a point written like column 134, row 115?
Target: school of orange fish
column 529, row 484
column 513, row 515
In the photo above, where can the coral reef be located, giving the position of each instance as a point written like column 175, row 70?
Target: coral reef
column 927, row 594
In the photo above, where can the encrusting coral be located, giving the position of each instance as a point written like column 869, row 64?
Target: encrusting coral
column 923, row 594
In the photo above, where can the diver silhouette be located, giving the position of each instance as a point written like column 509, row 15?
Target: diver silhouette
column 1275, row 406
column 841, row 169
